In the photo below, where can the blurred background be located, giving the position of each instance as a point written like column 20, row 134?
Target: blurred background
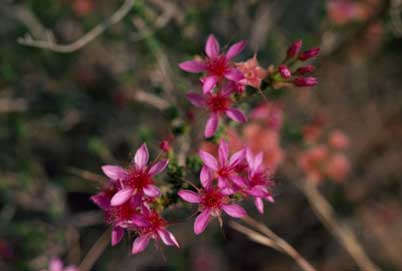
column 63, row 115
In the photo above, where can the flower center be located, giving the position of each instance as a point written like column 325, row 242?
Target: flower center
column 217, row 66
column 138, row 179
column 120, row 213
column 218, row 103
column 212, row 199
column 155, row 222
column 224, row 172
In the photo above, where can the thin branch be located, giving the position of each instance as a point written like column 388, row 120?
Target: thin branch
column 343, row 233
column 151, row 99
column 254, row 236
column 395, row 11
column 96, row 251
column 270, row 239
column 50, row 44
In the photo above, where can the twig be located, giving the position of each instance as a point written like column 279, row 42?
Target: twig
column 255, row 236
column 96, row 251
column 395, row 10
column 270, row 239
column 151, row 99
column 344, row 234
column 50, row 44
column 87, row 175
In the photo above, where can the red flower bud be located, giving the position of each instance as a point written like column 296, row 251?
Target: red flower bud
column 310, row 53
column 305, row 81
column 305, row 70
column 294, row 49
column 164, row 146
column 284, row 71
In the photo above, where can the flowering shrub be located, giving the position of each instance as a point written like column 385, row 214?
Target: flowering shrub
column 131, row 200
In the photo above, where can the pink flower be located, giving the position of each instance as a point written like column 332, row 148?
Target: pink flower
column 252, row 72
column 218, row 104
column 137, row 179
column 338, row 140
column 257, row 183
column 57, row 265
column 312, row 161
column 212, row 200
column 224, row 168
column 121, row 216
column 153, row 228
column 217, row 66
column 338, row 166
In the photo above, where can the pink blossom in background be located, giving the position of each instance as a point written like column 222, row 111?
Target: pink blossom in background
column 216, row 66
column 252, row 71
column 338, row 140
column 338, row 166
column 346, row 11
column 321, row 161
column 312, row 162
column 57, row 265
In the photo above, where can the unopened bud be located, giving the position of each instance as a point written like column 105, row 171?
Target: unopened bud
column 305, row 81
column 284, row 71
column 294, row 49
column 310, row 53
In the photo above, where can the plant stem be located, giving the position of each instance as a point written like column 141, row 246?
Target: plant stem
column 268, row 238
column 96, row 251
column 342, row 232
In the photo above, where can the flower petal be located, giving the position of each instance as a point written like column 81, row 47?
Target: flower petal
column 236, row 115
column 239, row 181
column 212, row 125
column 152, row 191
column 114, row 173
column 140, row 243
column 201, row 222
column 236, row 158
column 209, row 83
column 205, row 177
column 192, row 66
column 117, row 235
column 101, row 200
column 139, row 221
column 208, row 160
column 158, row 167
column 259, row 204
column 189, row 196
column 168, row 238
column 234, row 74
column 259, row 191
column 56, row 265
column 234, row 210
column 196, row 99
column 141, row 156
column 223, row 152
column 236, row 49
column 212, row 47
column 121, row 197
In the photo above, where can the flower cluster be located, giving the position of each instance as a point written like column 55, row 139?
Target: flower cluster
column 221, row 78
column 342, row 12
column 128, row 198
column 57, row 265
column 293, row 70
column 326, row 160
column 242, row 173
